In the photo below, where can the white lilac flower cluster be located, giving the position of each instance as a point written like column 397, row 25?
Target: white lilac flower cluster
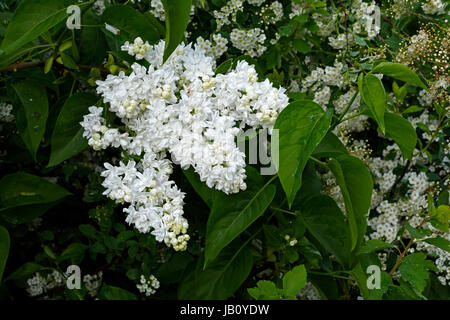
column 39, row 284
column 148, row 286
column 180, row 108
column 6, row 112
column 434, row 7
column 92, row 283
column 138, row 48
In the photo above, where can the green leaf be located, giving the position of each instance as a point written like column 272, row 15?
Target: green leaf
column 131, row 23
column 374, row 245
column 362, row 274
column 440, row 216
column 48, row 65
column 330, row 146
column 24, row 214
column 403, row 133
column 265, row 290
column 108, row 292
column 439, row 242
column 374, row 96
column 412, row 109
column 207, row 194
column 294, row 280
column 414, row 269
column 20, row 189
column 356, row 185
column 302, row 125
column 74, row 252
column 67, row 138
column 400, row 72
column 68, row 61
column 88, row 230
column 231, row 215
column 224, row 66
column 325, row 221
column 301, row 45
column 220, row 279
column 31, row 19
column 26, row 270
column 177, row 14
column 34, row 113
column 173, row 270
column 417, row 233
column 4, row 249
column 92, row 41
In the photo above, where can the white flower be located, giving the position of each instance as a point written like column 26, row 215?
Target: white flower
column 183, row 110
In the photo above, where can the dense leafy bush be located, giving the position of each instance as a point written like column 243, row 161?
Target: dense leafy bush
column 136, row 135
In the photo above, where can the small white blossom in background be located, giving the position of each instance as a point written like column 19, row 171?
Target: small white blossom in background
column 99, row 6
column 341, row 41
column 434, row 7
column 257, row 3
column 249, row 41
column 39, row 284
column 309, row 292
column 183, row 110
column 92, row 283
column 148, row 286
column 6, row 112
column 157, row 9
column 291, row 241
column 216, row 48
column 230, row 9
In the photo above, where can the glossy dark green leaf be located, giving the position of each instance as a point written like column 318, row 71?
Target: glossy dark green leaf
column 356, row 185
column 67, row 138
column 31, row 19
column 325, row 221
column 232, row 214
column 302, row 125
column 399, row 71
column 403, row 133
column 108, row 292
column 439, row 242
column 207, row 194
column 220, row 279
column 20, row 189
column 374, row 96
column 92, row 41
column 374, row 245
column 26, row 270
column 74, row 252
column 177, row 14
column 131, row 23
column 330, row 146
column 34, row 113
